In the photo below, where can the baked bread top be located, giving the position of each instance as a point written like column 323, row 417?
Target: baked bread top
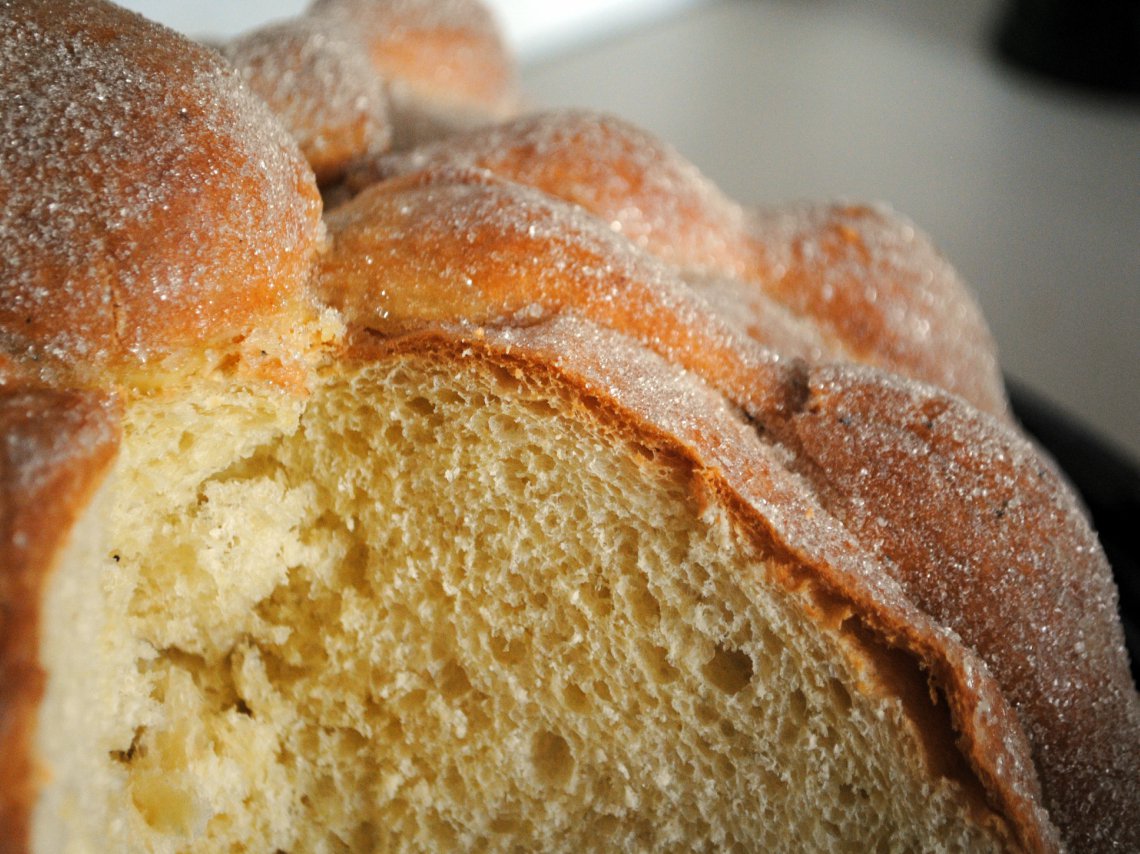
column 827, row 282
column 351, row 78
column 159, row 224
column 136, row 167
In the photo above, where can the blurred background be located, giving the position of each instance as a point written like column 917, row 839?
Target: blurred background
column 1028, row 181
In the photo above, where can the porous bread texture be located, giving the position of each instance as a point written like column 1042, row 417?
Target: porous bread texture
column 449, row 605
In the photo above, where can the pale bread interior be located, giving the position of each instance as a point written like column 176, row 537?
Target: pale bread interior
column 437, row 607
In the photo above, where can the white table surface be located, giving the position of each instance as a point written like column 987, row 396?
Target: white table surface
column 1032, row 191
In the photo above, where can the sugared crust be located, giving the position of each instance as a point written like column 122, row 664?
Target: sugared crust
column 350, row 78
column 318, row 79
column 449, row 51
column 627, row 178
column 150, row 202
column 465, row 247
column 864, row 277
column 55, row 447
column 871, row 280
column 982, row 534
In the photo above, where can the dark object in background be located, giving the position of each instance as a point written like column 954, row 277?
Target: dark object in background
column 1091, row 43
column 1109, row 482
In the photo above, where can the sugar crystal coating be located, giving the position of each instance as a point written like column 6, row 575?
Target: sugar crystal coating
column 981, row 532
column 869, row 278
column 625, row 177
column 351, row 78
column 464, row 246
column 149, row 200
column 319, row 81
column 449, row 50
column 864, row 277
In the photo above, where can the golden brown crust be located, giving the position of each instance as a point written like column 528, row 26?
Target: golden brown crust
column 465, row 247
column 982, row 533
column 151, row 205
column 351, row 78
column 623, row 175
column 55, row 447
column 870, row 279
column 449, row 51
column 319, row 80
column 865, row 277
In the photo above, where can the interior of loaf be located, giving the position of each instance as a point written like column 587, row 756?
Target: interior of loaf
column 441, row 607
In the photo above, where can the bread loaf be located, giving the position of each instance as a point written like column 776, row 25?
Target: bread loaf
column 536, row 497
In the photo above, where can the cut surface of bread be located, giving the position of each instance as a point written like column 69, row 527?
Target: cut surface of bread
column 450, row 604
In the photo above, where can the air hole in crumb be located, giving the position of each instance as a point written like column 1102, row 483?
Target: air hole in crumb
column 797, row 706
column 444, row 833
column 840, row 694
column 794, row 717
column 596, row 598
column 542, row 408
column 365, row 837
column 508, row 383
column 504, row 824
column 575, row 698
column 657, row 665
column 353, row 571
column 730, row 670
column 725, row 768
column 643, row 605
column 421, row 405
column 453, row 681
column 509, row 651
column 606, row 828
column 553, row 761
column 831, row 828
column 770, row 781
column 644, row 452
column 136, row 748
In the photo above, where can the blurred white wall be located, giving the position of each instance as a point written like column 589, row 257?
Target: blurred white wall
column 534, row 28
